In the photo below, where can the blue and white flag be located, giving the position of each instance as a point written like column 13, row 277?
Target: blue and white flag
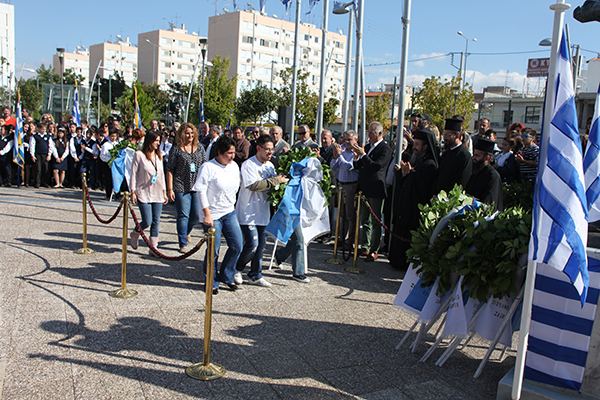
column 18, row 149
column 200, row 107
column 560, row 217
column 137, row 116
column 229, row 122
column 76, row 112
column 560, row 331
column 121, row 168
column 287, row 4
column 262, row 5
column 312, row 4
column 591, row 165
column 235, row 3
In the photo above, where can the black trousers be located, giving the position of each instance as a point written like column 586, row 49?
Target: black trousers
column 6, row 169
column 41, row 170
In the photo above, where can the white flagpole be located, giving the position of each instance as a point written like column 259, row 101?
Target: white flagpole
column 559, row 10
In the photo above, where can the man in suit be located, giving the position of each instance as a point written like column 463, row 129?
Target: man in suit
column 372, row 163
column 281, row 146
column 304, row 139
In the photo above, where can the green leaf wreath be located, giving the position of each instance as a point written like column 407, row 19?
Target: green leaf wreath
column 123, row 144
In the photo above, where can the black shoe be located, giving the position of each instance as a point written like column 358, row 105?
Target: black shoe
column 215, row 291
column 46, row 185
column 36, row 186
column 232, row 286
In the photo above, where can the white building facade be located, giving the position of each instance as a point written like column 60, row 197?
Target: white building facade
column 78, row 62
column 120, row 56
column 7, row 44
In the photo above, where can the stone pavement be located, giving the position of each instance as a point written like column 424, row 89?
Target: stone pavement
column 63, row 337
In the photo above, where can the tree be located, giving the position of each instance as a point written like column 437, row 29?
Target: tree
column 378, row 109
column 306, row 100
column 219, row 93
column 47, row 75
column 330, row 111
column 31, row 96
column 253, row 104
column 126, row 105
column 437, row 99
column 69, row 77
column 110, row 89
column 160, row 99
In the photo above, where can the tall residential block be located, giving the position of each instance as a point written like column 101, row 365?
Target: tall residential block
column 78, row 62
column 7, row 44
column 120, row 56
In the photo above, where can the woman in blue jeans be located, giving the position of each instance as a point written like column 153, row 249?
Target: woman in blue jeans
column 148, row 188
column 185, row 159
column 217, row 186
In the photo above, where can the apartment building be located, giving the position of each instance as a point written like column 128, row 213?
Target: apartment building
column 259, row 47
column 7, row 43
column 168, row 55
column 120, row 56
column 78, row 62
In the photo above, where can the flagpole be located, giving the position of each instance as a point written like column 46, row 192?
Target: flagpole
column 559, row 10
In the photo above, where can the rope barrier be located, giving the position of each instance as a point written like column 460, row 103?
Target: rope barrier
column 158, row 253
column 382, row 224
column 108, row 221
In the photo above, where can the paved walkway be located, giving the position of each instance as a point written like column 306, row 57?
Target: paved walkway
column 63, row 337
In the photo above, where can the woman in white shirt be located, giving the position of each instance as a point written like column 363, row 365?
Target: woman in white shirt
column 148, row 188
column 217, row 185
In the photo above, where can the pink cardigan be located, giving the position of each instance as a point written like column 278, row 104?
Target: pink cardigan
column 142, row 172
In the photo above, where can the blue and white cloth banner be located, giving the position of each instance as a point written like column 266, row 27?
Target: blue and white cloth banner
column 18, row 148
column 287, row 4
column 491, row 319
column 560, row 228
column 76, row 112
column 591, row 165
column 294, row 207
column 121, row 168
column 312, row 4
column 410, row 282
column 560, row 331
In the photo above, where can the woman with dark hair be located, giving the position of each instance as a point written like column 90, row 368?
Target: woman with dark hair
column 148, row 188
column 60, row 153
column 506, row 164
column 217, row 185
column 185, row 159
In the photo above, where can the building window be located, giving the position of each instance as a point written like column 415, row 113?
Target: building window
column 247, row 39
column 306, row 37
column 532, row 114
column 316, row 39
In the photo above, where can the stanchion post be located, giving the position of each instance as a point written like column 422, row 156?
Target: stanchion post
column 354, row 269
column 206, row 371
column 335, row 260
column 124, row 293
column 84, row 249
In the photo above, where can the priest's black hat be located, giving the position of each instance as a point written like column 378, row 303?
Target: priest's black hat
column 485, row 144
column 453, row 124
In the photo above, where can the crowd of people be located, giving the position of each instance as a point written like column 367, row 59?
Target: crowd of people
column 221, row 178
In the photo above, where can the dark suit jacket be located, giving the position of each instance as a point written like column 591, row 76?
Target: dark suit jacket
column 372, row 170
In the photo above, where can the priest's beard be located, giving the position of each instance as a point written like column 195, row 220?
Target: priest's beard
column 477, row 166
column 416, row 158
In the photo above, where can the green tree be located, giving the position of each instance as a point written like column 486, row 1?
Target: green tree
column 378, row 109
column 47, row 75
column 253, row 104
column 31, row 96
column 126, row 105
column 70, row 77
column 219, row 93
column 159, row 98
column 437, row 99
column 330, row 111
column 306, row 100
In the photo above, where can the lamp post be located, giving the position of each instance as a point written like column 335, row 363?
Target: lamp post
column 295, row 69
column 273, row 62
column 61, row 54
column 202, row 43
column 455, row 90
column 319, row 122
column 464, row 67
column 338, row 10
column 154, row 70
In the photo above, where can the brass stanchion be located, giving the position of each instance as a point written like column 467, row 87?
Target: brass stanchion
column 335, row 260
column 124, row 293
column 85, row 249
column 354, row 269
column 206, row 371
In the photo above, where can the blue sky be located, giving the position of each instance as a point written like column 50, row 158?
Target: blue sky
column 500, row 27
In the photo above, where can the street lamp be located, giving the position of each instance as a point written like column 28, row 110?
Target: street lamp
column 154, row 70
column 465, row 56
column 202, row 43
column 61, row 55
column 455, row 90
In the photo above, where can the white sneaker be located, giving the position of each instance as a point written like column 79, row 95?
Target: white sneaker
column 237, row 278
column 260, row 282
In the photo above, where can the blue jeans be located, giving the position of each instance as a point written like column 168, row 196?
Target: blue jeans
column 188, row 214
column 254, row 247
column 150, row 216
column 229, row 226
column 294, row 248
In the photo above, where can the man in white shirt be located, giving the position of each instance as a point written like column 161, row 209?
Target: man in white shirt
column 105, row 157
column 252, row 208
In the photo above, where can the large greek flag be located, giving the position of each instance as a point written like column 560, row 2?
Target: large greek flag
column 560, row 331
column 76, row 112
column 137, row 117
column 18, row 150
column 560, row 216
column 591, row 165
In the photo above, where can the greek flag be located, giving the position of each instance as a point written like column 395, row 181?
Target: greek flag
column 76, row 112
column 18, row 151
column 560, row 216
column 200, row 107
column 591, row 165
column 262, row 5
column 137, row 117
column 560, row 331
column 287, row 4
column 235, row 4
column 312, row 4
column 229, row 122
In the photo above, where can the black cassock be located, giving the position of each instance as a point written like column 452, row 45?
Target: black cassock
column 455, row 167
column 486, row 186
column 411, row 190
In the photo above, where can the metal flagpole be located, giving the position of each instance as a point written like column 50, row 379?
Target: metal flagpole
column 319, row 122
column 559, row 10
column 403, row 68
column 295, row 69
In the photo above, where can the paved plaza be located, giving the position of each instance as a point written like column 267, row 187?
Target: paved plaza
column 63, row 337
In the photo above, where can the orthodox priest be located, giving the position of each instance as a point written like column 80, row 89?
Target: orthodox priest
column 455, row 164
column 485, row 183
column 414, row 181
